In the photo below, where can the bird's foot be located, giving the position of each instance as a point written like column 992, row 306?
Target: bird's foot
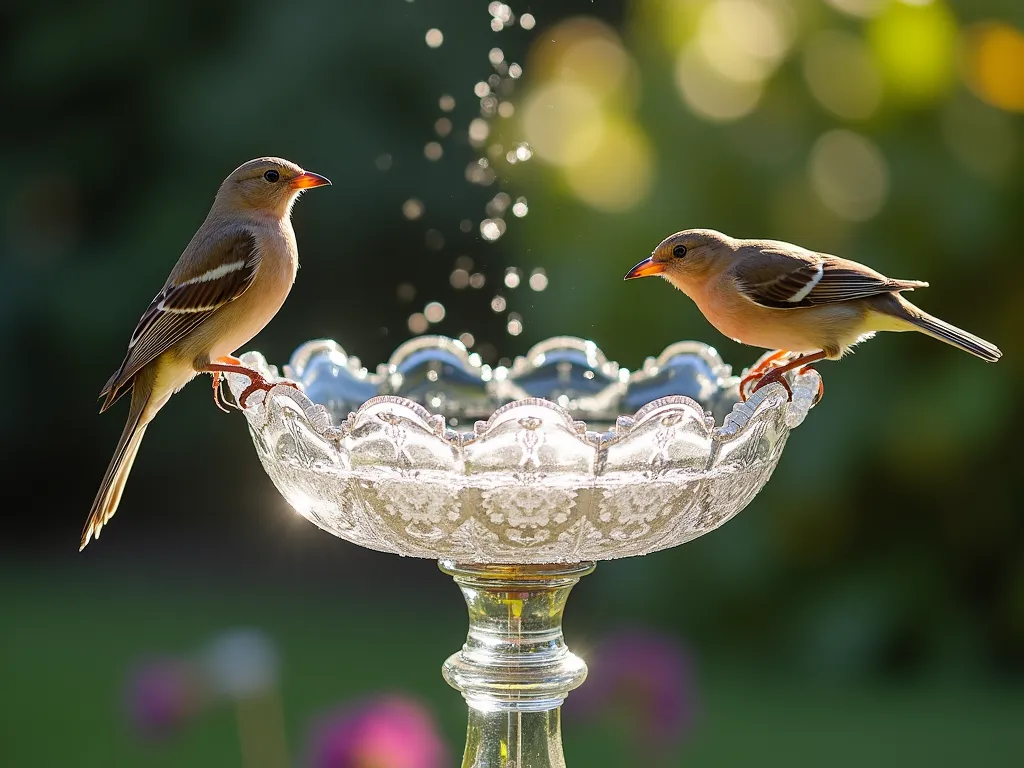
column 257, row 383
column 758, row 371
column 218, row 395
column 776, row 374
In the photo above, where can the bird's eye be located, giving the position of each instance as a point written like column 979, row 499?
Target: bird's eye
column 679, row 251
column 271, row 176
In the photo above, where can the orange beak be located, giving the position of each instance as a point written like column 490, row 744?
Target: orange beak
column 308, row 180
column 645, row 268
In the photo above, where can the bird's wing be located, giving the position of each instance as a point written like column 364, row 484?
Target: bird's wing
column 782, row 279
column 197, row 288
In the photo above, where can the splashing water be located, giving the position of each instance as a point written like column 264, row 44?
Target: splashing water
column 493, row 94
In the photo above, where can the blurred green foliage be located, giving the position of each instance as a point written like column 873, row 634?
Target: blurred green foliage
column 890, row 541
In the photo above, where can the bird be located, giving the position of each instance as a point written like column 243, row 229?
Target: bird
column 808, row 306
column 229, row 282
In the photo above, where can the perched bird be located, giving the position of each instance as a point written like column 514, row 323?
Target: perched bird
column 810, row 306
column 227, row 285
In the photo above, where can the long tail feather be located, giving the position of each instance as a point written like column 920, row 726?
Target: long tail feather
column 109, row 495
column 943, row 331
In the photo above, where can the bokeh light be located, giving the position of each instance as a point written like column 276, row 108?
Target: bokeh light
column 842, row 74
column 916, row 47
column 849, row 174
column 995, row 64
column 579, row 116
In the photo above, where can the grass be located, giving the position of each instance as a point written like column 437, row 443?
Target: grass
column 69, row 637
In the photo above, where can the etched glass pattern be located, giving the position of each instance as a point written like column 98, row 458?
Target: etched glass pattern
column 438, row 456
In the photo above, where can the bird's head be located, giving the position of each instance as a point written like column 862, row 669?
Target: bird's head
column 267, row 185
column 687, row 258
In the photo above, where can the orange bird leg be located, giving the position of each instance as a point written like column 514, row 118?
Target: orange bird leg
column 218, row 398
column 775, row 374
column 757, row 372
column 218, row 394
column 256, row 380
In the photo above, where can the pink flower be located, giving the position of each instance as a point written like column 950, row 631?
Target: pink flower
column 389, row 732
column 644, row 679
column 161, row 695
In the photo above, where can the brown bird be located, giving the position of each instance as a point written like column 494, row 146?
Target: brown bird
column 227, row 285
column 771, row 294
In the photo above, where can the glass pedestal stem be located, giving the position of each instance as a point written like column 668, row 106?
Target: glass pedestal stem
column 515, row 670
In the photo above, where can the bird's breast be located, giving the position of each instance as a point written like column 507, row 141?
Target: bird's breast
column 805, row 329
column 249, row 314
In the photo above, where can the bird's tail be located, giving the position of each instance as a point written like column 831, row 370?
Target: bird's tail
column 109, row 494
column 950, row 334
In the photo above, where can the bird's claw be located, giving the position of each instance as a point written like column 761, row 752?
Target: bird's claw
column 259, row 384
column 756, row 373
column 218, row 394
column 776, row 373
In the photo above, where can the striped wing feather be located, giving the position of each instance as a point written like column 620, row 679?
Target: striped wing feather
column 184, row 304
column 782, row 280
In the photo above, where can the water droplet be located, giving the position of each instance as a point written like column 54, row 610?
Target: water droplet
column 538, row 280
column 477, row 280
column 488, row 106
column 412, row 209
column 443, row 126
column 480, row 173
column 515, row 71
column 496, row 56
column 434, row 38
column 466, row 225
column 497, row 205
column 492, row 229
column 447, row 103
column 506, row 109
column 467, row 339
column 512, row 277
column 433, row 151
column 459, row 278
column 526, row 21
column 498, row 304
column 418, row 323
column 524, row 152
column 434, row 312
column 481, row 89
column 464, row 262
column 515, row 326
column 500, row 11
column 520, row 209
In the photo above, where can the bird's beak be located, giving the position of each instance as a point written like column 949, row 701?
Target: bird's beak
column 645, row 268
column 308, row 180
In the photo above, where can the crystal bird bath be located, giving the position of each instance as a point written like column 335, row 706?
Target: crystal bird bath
column 517, row 480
